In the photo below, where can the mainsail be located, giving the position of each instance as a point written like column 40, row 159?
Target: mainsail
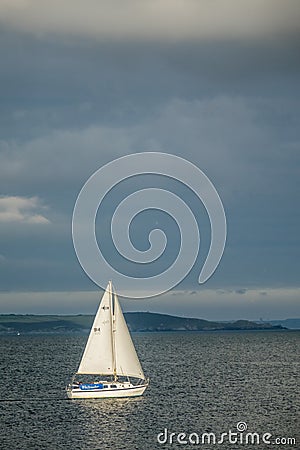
column 98, row 354
column 109, row 349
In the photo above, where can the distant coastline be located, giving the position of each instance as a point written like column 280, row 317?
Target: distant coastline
column 137, row 322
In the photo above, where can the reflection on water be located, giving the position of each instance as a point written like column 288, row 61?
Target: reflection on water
column 109, row 405
column 106, row 417
column 198, row 382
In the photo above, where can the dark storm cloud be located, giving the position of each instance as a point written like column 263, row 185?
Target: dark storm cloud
column 48, row 82
column 219, row 89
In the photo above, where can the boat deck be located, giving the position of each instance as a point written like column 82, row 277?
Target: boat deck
column 105, row 389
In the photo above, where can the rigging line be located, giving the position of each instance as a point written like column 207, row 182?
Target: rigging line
column 46, row 399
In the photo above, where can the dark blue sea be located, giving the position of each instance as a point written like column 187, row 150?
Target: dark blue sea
column 212, row 390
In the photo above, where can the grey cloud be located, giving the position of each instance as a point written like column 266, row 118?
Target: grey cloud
column 74, row 97
column 241, row 291
column 245, row 166
column 236, row 159
column 49, row 83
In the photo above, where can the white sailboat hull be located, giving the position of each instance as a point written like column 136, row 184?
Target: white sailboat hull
column 120, row 391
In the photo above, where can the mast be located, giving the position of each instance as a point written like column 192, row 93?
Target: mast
column 113, row 331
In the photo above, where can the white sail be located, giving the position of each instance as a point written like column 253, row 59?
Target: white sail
column 127, row 362
column 98, row 354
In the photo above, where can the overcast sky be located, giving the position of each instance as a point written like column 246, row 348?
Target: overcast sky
column 216, row 82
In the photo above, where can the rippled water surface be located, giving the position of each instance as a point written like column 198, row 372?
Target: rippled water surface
column 200, row 382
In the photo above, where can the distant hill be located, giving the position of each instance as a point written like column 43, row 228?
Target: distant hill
column 137, row 321
column 292, row 324
column 146, row 321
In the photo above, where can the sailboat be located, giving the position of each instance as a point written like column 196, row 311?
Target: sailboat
column 109, row 366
